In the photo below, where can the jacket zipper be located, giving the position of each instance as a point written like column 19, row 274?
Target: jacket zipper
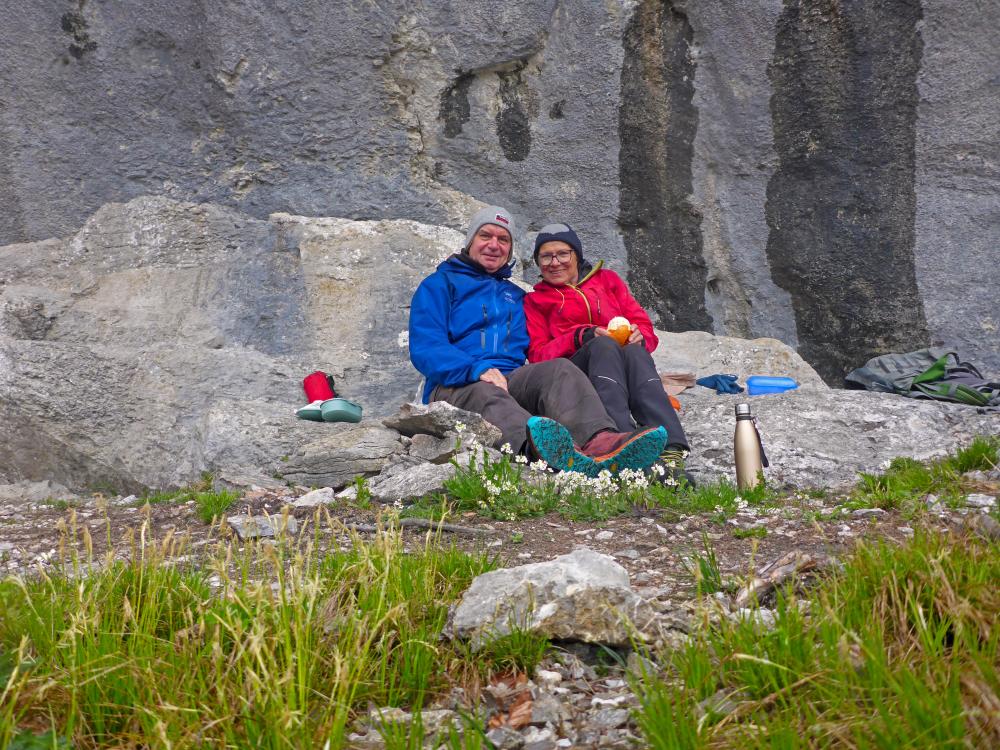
column 506, row 341
column 590, row 316
column 482, row 331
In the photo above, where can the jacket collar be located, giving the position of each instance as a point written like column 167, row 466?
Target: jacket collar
column 590, row 271
column 464, row 262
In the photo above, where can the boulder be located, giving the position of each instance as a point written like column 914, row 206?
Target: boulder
column 704, row 354
column 825, row 437
column 583, row 596
column 166, row 339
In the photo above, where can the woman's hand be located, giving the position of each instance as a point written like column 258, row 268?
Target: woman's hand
column 598, row 331
column 635, row 337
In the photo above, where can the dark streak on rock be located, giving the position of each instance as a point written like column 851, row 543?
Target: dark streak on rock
column 513, row 123
column 74, row 24
column 454, row 109
column 657, row 124
column 841, row 205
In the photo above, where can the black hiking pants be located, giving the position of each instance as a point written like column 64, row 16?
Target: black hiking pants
column 554, row 389
column 626, row 380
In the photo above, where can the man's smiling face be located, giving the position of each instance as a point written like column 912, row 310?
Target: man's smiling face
column 491, row 247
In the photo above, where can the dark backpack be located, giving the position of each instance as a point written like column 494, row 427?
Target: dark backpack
column 928, row 373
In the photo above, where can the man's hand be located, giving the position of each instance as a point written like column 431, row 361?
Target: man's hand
column 635, row 337
column 493, row 375
column 598, row 331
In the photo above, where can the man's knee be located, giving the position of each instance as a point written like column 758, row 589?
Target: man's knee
column 472, row 397
column 558, row 368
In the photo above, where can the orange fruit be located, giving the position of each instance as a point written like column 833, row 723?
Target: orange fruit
column 620, row 334
column 620, row 329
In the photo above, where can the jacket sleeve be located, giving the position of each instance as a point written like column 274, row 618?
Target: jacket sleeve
column 431, row 351
column 543, row 345
column 632, row 310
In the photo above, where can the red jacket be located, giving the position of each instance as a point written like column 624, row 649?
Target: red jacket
column 555, row 313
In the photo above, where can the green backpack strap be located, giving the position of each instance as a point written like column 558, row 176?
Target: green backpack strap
column 936, row 371
column 957, row 392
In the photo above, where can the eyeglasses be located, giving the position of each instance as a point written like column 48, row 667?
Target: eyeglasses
column 562, row 256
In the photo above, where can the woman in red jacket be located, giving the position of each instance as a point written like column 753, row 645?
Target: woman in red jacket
column 568, row 314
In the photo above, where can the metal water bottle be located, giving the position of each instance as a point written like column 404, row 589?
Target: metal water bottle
column 747, row 449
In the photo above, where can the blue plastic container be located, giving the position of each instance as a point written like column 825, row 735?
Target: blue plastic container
column 760, row 385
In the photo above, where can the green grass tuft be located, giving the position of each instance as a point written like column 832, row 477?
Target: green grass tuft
column 273, row 651
column 906, row 482
column 899, row 649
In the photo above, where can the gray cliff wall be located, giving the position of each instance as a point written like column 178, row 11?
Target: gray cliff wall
column 821, row 172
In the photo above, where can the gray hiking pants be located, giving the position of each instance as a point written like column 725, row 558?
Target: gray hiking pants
column 556, row 389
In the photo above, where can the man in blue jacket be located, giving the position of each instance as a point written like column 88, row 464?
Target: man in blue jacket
column 469, row 338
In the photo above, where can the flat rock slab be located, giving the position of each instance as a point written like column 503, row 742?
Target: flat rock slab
column 410, row 480
column 441, row 419
column 34, row 492
column 322, row 496
column 349, row 450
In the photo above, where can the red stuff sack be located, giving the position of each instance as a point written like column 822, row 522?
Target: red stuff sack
column 318, row 386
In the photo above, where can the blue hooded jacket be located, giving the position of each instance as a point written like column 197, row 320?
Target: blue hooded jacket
column 463, row 321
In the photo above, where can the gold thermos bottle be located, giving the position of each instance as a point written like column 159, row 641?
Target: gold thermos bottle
column 746, row 446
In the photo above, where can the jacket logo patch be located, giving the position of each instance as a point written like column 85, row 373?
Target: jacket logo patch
column 508, row 298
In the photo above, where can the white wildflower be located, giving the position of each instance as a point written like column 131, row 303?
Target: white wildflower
column 460, row 427
column 506, row 449
column 519, row 459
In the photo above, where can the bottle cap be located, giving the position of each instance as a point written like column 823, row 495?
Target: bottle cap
column 742, row 410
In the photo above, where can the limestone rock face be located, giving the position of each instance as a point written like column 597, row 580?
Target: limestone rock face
column 582, row 596
column 820, row 173
column 165, row 339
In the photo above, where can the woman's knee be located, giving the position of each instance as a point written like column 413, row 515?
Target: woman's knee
column 605, row 346
column 636, row 353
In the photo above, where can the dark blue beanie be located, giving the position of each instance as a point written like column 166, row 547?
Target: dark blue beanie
column 559, row 233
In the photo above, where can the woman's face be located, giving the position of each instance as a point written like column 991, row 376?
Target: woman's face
column 557, row 262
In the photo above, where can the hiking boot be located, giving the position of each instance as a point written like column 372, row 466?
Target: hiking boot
column 615, row 451
column 551, row 442
column 671, row 464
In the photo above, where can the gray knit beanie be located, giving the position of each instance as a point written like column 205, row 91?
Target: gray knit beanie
column 490, row 215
